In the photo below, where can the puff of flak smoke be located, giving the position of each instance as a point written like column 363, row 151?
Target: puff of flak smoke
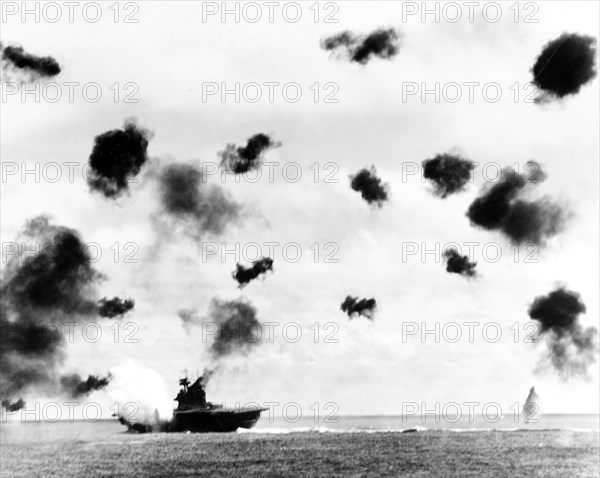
column 382, row 43
column 448, row 173
column 114, row 307
column 457, row 264
column 371, row 187
column 198, row 207
column 238, row 329
column 564, row 66
column 353, row 306
column 244, row 275
column 571, row 348
column 118, row 156
column 76, row 387
column 15, row 58
column 503, row 208
column 242, row 159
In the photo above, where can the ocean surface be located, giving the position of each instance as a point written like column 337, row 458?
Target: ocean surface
column 367, row 446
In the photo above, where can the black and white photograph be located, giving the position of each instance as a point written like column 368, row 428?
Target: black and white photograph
column 302, row 238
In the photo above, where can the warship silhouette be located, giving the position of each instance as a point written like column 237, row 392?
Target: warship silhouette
column 195, row 414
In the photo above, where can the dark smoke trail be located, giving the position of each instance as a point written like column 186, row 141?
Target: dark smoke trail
column 500, row 208
column 365, row 307
column 118, row 155
column 76, row 387
column 571, row 348
column 17, row 58
column 457, row 264
column 448, row 173
column 243, row 159
column 370, row 186
column 200, row 207
column 238, row 328
column 565, row 65
column 381, row 43
column 40, row 294
column 243, row 275
column 13, row 406
column 114, row 307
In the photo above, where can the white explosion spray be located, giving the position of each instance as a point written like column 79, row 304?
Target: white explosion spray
column 531, row 407
column 141, row 393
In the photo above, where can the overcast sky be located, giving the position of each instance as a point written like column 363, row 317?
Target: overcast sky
column 170, row 53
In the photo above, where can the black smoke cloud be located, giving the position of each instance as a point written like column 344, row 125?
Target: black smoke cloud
column 381, row 43
column 15, row 58
column 114, row 307
column 39, row 294
column 201, row 208
column 565, row 65
column 238, row 329
column 76, row 387
column 571, row 347
column 448, row 173
column 118, row 155
column 355, row 307
column 243, row 275
column 501, row 208
column 370, row 186
column 457, row 264
column 243, row 159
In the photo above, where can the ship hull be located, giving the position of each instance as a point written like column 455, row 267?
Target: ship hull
column 201, row 421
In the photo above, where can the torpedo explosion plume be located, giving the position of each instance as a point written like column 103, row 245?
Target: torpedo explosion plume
column 18, row 59
column 118, row 155
column 354, row 306
column 370, row 186
column 243, row 275
column 245, row 158
column 448, row 173
column 457, row 264
column 39, row 294
column 381, row 43
column 500, row 207
column 565, row 65
column 571, row 347
column 199, row 207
